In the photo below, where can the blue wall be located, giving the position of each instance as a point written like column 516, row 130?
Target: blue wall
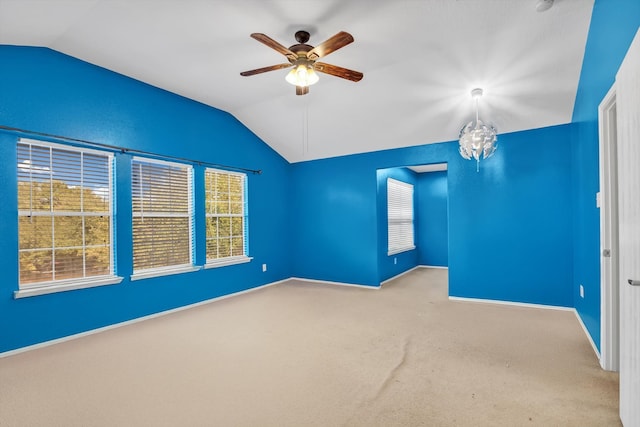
column 509, row 224
column 389, row 266
column 333, row 208
column 524, row 228
column 613, row 25
column 45, row 91
column 335, row 234
column 433, row 219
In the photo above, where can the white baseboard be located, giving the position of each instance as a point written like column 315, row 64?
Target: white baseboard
column 132, row 321
column 410, row 270
column 399, row 275
column 326, row 282
column 586, row 332
column 517, row 304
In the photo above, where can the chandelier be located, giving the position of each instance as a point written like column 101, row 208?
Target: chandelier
column 477, row 139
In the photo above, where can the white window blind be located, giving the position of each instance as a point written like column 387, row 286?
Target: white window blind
column 399, row 216
column 65, row 224
column 226, row 215
column 162, row 200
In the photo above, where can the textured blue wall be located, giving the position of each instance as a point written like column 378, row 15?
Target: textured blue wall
column 335, row 223
column 45, row 91
column 613, row 25
column 433, row 219
column 525, row 228
column 333, row 210
column 389, row 266
column 509, row 224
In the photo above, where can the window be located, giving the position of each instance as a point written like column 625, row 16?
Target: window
column 226, row 211
column 162, row 200
column 65, row 218
column 399, row 216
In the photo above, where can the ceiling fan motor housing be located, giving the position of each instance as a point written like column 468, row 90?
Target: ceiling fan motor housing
column 302, row 36
column 301, row 49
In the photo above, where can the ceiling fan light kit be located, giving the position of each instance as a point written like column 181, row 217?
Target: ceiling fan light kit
column 478, row 139
column 302, row 57
column 302, row 73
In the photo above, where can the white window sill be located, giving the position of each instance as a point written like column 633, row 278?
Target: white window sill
column 158, row 272
column 67, row 285
column 227, row 261
column 400, row 250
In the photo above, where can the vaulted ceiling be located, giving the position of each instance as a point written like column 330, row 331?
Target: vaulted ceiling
column 420, row 60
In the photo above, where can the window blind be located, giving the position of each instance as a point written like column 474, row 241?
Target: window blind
column 226, row 218
column 399, row 216
column 64, row 213
column 162, row 201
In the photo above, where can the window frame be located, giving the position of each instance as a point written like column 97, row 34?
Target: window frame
column 169, row 269
column 234, row 259
column 60, row 285
column 403, row 196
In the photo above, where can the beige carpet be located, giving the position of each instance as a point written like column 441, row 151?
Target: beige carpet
column 300, row 354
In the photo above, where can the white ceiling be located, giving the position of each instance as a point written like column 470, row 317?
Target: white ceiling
column 420, row 60
column 436, row 167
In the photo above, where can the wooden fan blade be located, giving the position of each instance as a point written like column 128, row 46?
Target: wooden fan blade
column 265, row 69
column 263, row 38
column 354, row 76
column 330, row 45
column 302, row 90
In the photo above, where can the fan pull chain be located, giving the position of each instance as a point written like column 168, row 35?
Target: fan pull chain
column 305, row 129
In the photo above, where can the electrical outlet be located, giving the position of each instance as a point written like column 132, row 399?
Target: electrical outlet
column 581, row 291
column 264, row 267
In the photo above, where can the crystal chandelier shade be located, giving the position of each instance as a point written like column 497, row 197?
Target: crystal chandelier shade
column 478, row 139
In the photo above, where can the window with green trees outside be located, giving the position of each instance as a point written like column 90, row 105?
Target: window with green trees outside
column 65, row 221
column 226, row 218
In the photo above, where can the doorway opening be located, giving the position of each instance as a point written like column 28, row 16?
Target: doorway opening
column 430, row 219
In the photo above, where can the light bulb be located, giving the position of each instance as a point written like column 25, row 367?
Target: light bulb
column 302, row 75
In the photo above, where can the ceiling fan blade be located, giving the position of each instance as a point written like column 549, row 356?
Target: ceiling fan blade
column 263, row 38
column 330, row 45
column 265, row 69
column 334, row 70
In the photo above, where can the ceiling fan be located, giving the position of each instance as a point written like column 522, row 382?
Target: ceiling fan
column 302, row 57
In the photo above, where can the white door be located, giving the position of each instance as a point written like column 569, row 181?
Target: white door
column 628, row 110
column 610, row 283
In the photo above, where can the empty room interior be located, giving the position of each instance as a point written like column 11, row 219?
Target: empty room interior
column 322, row 213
